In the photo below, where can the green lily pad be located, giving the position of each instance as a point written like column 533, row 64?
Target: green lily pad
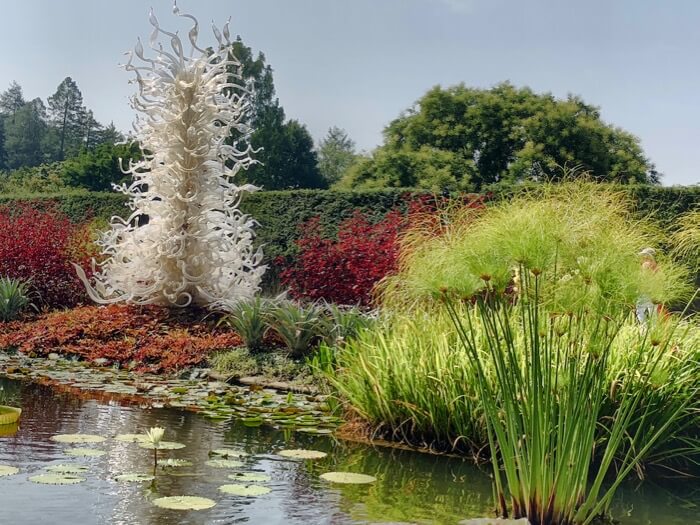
column 131, row 438
column 133, row 478
column 302, row 454
column 163, row 445
column 170, row 462
column 184, row 503
column 348, row 477
column 494, row 521
column 7, row 470
column 67, row 468
column 223, row 463
column 77, row 438
column 56, row 479
column 238, row 489
column 249, row 476
column 228, row 453
column 85, row 452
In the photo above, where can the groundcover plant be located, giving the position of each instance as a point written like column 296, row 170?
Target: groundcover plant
column 186, row 240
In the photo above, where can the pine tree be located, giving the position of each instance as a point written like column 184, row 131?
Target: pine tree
column 67, row 114
column 336, row 153
column 11, row 100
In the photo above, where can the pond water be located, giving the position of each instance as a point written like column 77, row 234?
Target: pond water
column 410, row 488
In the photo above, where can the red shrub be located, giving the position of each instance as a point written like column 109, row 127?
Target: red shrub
column 155, row 339
column 38, row 244
column 346, row 268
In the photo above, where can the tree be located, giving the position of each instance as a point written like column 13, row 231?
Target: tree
column 92, row 130
column 466, row 138
column 286, row 158
column 98, row 169
column 110, row 135
column 67, row 115
column 288, row 161
column 3, row 154
column 11, row 100
column 336, row 153
column 25, row 135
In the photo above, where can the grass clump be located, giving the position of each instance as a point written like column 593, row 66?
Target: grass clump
column 14, row 298
column 542, row 382
column 511, row 330
column 584, row 237
column 249, row 319
column 273, row 366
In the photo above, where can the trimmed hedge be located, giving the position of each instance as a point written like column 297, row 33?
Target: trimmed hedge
column 281, row 213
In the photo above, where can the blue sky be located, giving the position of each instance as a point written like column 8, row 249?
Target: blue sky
column 358, row 63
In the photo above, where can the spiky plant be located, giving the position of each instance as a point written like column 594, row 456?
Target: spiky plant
column 185, row 241
column 544, row 406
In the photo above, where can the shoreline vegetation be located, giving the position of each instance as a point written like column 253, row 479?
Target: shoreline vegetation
column 508, row 336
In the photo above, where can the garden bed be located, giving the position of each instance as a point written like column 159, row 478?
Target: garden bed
column 144, row 339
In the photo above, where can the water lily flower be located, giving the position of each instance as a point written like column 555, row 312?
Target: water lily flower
column 155, row 435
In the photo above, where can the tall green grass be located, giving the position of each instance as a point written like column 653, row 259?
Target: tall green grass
column 511, row 331
column 411, row 379
column 552, row 444
column 585, row 238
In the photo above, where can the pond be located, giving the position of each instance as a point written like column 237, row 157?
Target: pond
column 411, row 487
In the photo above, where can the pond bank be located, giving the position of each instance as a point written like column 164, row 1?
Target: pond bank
column 216, row 400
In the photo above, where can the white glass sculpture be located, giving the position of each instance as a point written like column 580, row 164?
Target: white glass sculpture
column 185, row 242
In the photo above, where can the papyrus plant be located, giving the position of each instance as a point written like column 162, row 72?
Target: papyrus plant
column 542, row 383
column 185, row 241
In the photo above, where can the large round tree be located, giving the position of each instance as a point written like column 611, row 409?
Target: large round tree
column 466, row 138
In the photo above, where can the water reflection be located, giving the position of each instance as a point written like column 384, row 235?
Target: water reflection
column 411, row 487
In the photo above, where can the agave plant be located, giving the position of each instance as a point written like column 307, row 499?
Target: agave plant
column 344, row 322
column 300, row 327
column 14, row 298
column 249, row 319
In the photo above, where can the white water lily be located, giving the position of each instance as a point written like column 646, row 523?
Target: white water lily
column 185, row 242
column 155, row 436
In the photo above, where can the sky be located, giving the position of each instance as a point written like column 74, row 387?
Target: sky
column 358, row 64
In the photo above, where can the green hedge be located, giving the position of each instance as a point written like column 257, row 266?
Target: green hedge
column 281, row 213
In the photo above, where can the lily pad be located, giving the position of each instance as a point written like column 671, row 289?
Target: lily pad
column 67, row 468
column 184, row 503
column 131, row 438
column 250, row 477
column 348, row 477
column 85, row 452
column 228, row 453
column 302, row 454
column 56, row 479
column 77, row 438
column 170, row 462
column 494, row 521
column 238, row 489
column 9, row 415
column 163, row 445
column 7, row 470
column 223, row 463
column 134, row 478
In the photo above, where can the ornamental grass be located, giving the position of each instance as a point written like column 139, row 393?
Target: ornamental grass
column 511, row 333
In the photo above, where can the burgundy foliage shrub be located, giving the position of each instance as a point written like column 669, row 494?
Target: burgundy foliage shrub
column 344, row 269
column 39, row 245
